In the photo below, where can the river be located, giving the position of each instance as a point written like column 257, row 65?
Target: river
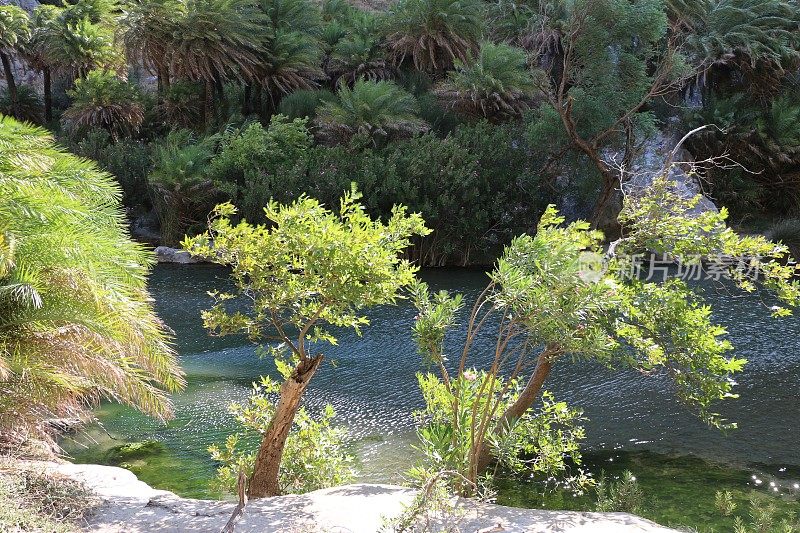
column 370, row 380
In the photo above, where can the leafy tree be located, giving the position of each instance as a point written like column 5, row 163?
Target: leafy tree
column 605, row 61
column 309, row 271
column 434, row 33
column 557, row 296
column 102, row 100
column 14, row 31
column 377, row 110
column 76, row 321
column 495, row 85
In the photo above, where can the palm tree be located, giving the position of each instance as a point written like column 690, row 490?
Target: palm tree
column 377, row 110
column 102, row 100
column 360, row 52
column 40, row 48
column 14, row 31
column 216, row 39
column 76, row 321
column 291, row 53
column 434, row 33
column 145, row 30
column 757, row 37
column 182, row 192
column 80, row 46
column 496, row 85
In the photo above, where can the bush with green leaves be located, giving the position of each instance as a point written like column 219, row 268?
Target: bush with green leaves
column 251, row 164
column 28, row 105
column 304, row 103
column 543, row 444
column 315, row 456
column 103, row 100
column 623, row 495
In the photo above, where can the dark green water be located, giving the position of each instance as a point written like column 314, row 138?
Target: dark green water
column 634, row 421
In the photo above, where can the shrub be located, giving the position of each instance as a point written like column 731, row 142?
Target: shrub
column 620, row 496
column 29, row 105
column 102, row 100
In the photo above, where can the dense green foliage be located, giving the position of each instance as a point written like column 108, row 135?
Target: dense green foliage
column 576, row 86
column 76, row 321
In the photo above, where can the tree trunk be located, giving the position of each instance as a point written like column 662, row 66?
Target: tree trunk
column 48, row 95
column 248, row 94
column 606, row 211
column 12, row 86
column 204, row 105
column 264, row 481
column 525, row 400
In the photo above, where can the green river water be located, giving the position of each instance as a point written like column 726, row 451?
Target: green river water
column 635, row 423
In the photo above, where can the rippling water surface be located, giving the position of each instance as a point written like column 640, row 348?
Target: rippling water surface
column 373, row 388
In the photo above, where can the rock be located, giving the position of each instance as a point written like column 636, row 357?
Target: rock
column 649, row 164
column 132, row 506
column 145, row 228
column 165, row 254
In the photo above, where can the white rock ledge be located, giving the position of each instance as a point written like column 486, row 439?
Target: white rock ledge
column 165, row 254
column 132, row 506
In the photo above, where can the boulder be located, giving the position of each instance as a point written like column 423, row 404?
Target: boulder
column 130, row 506
column 165, row 254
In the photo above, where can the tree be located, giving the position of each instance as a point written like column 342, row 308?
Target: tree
column 14, row 31
column 39, row 50
column 182, row 193
column 495, row 85
column 557, row 296
column 309, row 271
column 102, row 100
column 360, row 53
column 605, row 60
column 76, row 321
column 378, row 110
column 434, row 33
column 145, row 30
column 213, row 40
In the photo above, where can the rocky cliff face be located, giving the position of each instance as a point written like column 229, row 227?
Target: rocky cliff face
column 130, row 505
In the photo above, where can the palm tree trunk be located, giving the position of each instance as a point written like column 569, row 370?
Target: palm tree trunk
column 264, row 481
column 48, row 95
column 12, row 86
column 204, row 105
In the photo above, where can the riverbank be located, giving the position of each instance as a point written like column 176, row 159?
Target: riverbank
column 130, row 505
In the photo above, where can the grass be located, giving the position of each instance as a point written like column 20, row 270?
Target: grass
column 32, row 499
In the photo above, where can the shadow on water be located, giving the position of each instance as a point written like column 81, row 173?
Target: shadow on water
column 371, row 382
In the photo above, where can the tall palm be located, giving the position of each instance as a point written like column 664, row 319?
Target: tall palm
column 377, row 110
column 496, row 85
column 14, row 31
column 41, row 47
column 81, row 46
column 215, row 39
column 360, row 53
column 145, row 30
column 434, row 33
column 291, row 52
column 76, row 321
